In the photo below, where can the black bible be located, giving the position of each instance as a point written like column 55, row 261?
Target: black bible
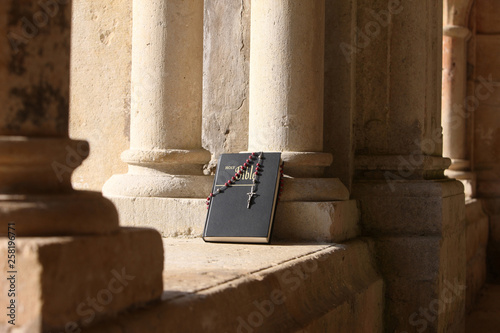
column 242, row 203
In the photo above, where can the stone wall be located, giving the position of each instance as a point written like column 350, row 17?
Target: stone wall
column 100, row 87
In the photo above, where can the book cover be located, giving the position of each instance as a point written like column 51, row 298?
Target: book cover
column 242, row 204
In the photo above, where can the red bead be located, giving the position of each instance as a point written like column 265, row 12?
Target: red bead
column 211, row 194
column 208, row 207
column 245, row 164
column 258, row 164
column 208, row 199
column 227, row 184
column 256, row 172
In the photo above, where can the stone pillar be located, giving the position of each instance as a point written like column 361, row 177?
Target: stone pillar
column 286, row 114
column 415, row 215
column 53, row 276
column 165, row 158
column 455, row 118
column 286, row 83
column 36, row 154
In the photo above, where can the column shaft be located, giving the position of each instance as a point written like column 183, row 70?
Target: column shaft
column 286, row 83
column 167, row 58
column 454, row 119
column 286, row 75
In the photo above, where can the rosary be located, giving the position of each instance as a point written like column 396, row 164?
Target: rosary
column 239, row 173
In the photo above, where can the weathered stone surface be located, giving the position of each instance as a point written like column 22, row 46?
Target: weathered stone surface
column 269, row 288
column 172, row 217
column 286, row 101
column 411, row 207
column 34, row 93
column 100, row 86
column 333, row 221
column 76, row 281
column 226, row 60
column 419, row 232
column 394, row 85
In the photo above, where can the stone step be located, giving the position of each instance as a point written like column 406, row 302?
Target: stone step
column 262, row 288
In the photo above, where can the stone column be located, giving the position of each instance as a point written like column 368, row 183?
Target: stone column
column 286, row 114
column 36, row 154
column 414, row 214
column 165, row 158
column 286, row 83
column 455, row 118
column 53, row 277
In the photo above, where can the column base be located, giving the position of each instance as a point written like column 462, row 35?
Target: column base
column 171, row 217
column 158, row 185
column 467, row 178
column 73, row 213
column 66, row 283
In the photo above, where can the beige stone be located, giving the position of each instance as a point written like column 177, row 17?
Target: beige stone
column 419, row 232
column 286, row 76
column 165, row 126
column 398, row 87
column 329, row 221
column 38, row 157
column 226, row 60
column 456, row 12
column 303, row 283
column 100, row 87
column 57, row 277
column 454, row 118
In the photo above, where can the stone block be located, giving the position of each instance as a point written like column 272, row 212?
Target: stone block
column 331, row 221
column 411, row 207
column 170, row 216
column 419, row 232
column 66, row 282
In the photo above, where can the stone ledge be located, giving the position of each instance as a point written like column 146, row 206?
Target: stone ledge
column 58, row 277
column 266, row 288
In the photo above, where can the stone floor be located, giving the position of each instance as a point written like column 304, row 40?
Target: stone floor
column 485, row 317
